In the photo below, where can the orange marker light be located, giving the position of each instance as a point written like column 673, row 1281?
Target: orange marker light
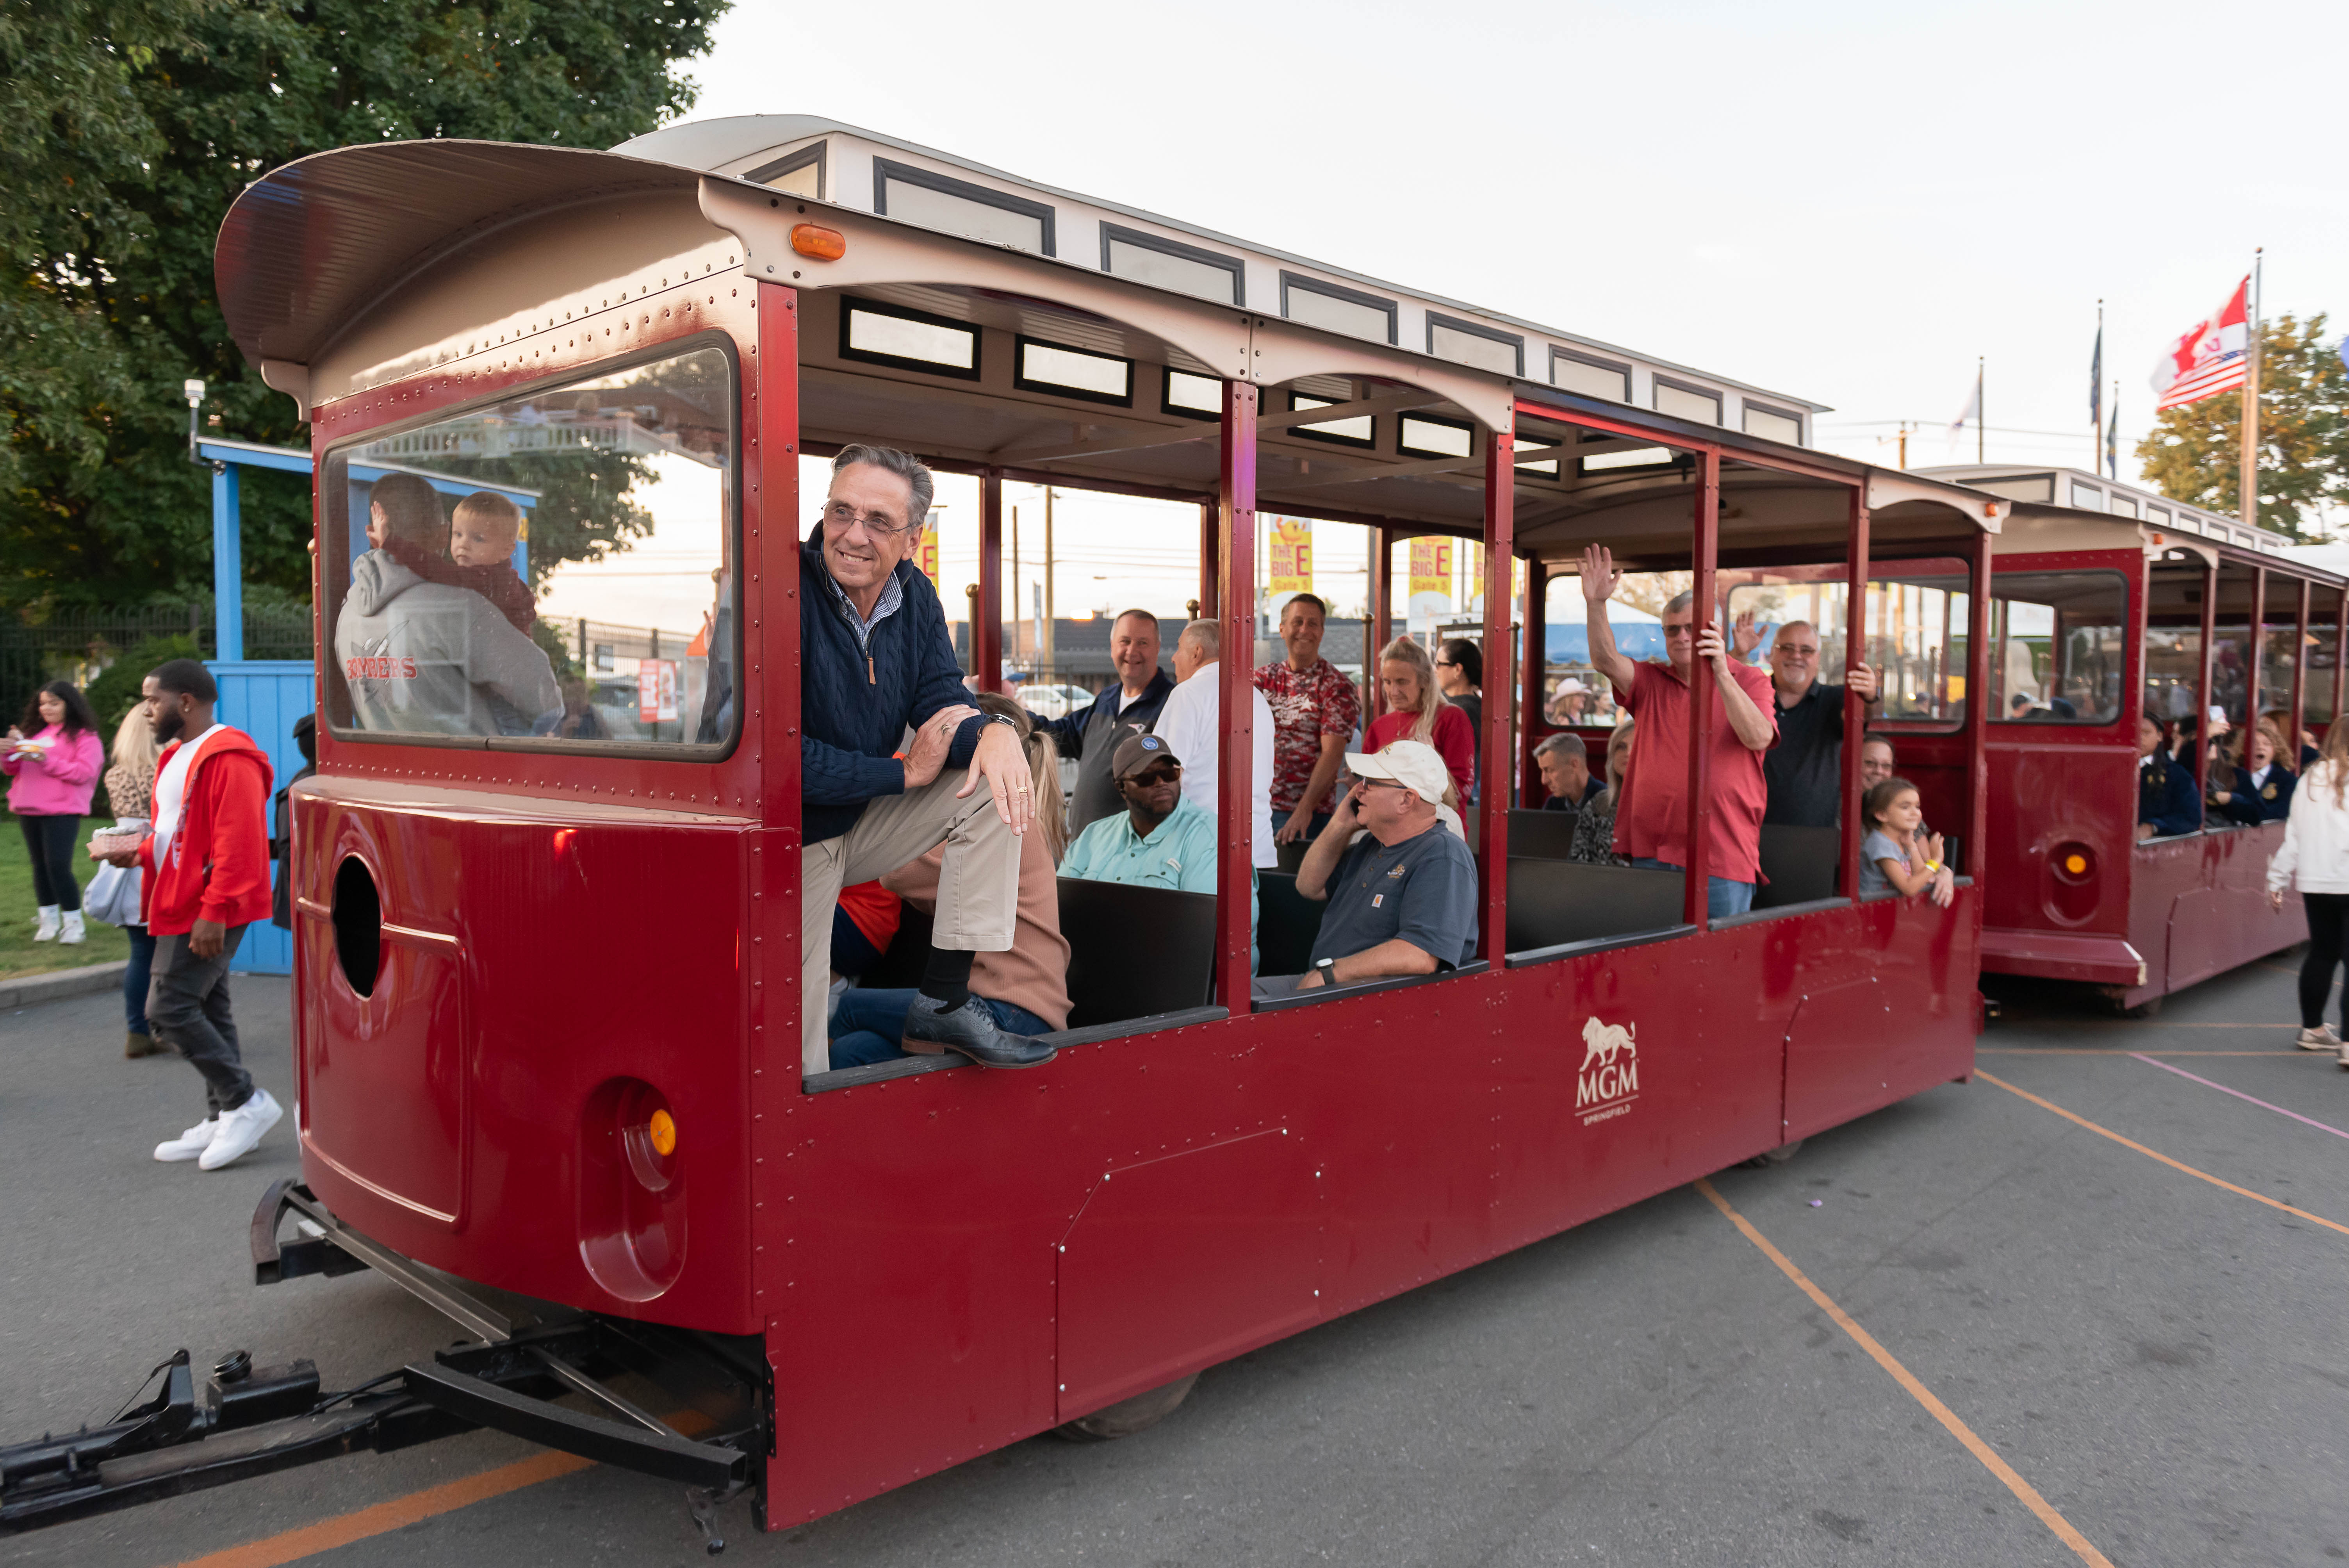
column 663, row 1130
column 818, row 243
column 2076, row 864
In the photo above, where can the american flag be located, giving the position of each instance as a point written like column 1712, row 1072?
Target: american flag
column 2210, row 359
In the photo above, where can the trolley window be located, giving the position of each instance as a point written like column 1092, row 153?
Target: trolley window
column 1916, row 629
column 2058, row 646
column 550, row 569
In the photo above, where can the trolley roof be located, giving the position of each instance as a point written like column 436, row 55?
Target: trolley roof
column 2077, row 489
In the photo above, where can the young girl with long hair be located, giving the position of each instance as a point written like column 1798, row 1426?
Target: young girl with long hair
column 53, row 759
column 1898, row 855
column 130, row 791
column 2314, row 859
column 1416, row 711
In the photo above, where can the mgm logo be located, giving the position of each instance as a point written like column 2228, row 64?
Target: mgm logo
column 1608, row 1081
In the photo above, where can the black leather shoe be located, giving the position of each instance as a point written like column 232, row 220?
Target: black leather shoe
column 931, row 1027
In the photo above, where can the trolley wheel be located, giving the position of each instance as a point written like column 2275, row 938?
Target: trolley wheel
column 2115, row 1004
column 1128, row 1417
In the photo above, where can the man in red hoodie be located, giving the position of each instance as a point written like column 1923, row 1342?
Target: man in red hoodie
column 206, row 878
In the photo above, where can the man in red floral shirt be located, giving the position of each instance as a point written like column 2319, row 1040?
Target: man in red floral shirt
column 1314, row 712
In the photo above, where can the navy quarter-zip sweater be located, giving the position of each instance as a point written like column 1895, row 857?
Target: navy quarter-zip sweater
column 857, row 699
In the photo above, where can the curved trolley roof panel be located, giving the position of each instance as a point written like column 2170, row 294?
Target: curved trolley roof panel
column 369, row 266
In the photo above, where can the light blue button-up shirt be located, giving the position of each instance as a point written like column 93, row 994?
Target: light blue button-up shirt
column 1179, row 853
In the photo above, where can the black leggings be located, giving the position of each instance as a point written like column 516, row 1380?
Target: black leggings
column 51, row 841
column 2328, row 923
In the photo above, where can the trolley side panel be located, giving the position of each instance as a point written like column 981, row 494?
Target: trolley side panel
column 929, row 1314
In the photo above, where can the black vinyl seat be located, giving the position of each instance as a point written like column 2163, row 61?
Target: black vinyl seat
column 1798, row 865
column 1557, row 902
column 1541, row 835
column 1286, row 924
column 1135, row 952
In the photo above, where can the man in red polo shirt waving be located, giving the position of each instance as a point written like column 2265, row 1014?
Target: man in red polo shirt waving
column 1652, row 827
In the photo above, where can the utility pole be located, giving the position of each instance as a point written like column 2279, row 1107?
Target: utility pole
column 1049, row 636
column 1015, row 596
column 1904, row 443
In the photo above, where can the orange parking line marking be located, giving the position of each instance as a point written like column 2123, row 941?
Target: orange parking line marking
column 398, row 1512
column 395, row 1514
column 2164, row 1158
column 2023, row 1491
column 2111, row 1051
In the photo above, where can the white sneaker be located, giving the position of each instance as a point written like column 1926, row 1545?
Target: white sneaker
column 240, row 1130
column 189, row 1144
column 73, row 932
column 2345, row 1054
column 2320, row 1039
column 45, row 928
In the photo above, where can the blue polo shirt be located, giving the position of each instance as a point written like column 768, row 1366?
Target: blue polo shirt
column 1178, row 854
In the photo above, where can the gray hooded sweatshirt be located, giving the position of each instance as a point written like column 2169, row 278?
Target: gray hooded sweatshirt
column 425, row 656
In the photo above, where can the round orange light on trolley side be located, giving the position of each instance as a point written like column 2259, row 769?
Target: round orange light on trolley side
column 2076, row 863
column 819, row 243
column 662, row 1131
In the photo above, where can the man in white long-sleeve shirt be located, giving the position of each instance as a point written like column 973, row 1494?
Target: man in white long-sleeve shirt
column 1192, row 722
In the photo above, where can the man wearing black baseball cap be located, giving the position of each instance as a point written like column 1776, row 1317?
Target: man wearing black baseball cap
column 1402, row 898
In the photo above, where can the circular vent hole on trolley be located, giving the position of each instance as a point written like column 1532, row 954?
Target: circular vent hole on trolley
column 358, row 924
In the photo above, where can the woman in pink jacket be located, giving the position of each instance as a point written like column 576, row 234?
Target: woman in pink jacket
column 51, row 772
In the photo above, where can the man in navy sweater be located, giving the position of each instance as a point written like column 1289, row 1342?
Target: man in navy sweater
column 876, row 661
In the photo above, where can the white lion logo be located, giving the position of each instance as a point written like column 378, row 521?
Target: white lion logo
column 1603, row 1042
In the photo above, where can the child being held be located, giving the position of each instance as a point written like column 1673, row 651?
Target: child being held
column 482, row 536
column 1898, row 855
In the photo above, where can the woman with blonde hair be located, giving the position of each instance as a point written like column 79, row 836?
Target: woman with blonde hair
column 1025, row 987
column 1594, row 825
column 2314, row 858
column 1416, row 711
column 130, row 791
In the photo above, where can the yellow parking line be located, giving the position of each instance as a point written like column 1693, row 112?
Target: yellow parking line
column 2023, row 1491
column 2156, row 1154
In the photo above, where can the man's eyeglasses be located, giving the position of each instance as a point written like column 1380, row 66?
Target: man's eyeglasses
column 880, row 525
column 1800, row 650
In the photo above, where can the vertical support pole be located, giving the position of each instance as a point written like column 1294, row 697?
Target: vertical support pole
column 1702, row 696
column 1211, row 570
column 1500, row 550
column 1377, row 617
column 2256, row 661
column 228, row 565
column 1533, row 657
column 2290, row 758
column 1980, row 711
column 1235, row 826
column 2199, row 731
column 1855, row 711
column 987, row 611
column 2340, row 651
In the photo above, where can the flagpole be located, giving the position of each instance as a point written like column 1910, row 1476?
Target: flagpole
column 2096, row 398
column 2248, row 480
column 1979, row 361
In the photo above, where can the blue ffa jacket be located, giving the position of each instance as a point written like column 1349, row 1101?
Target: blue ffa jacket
column 858, row 695
column 2166, row 796
column 2270, row 802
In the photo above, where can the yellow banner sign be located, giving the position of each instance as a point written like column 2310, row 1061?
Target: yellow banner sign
column 1430, row 566
column 927, row 554
column 1292, row 556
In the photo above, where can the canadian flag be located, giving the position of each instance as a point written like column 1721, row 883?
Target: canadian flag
column 2210, row 359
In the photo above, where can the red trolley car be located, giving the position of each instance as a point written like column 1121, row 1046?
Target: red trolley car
column 601, row 1157
column 2110, row 601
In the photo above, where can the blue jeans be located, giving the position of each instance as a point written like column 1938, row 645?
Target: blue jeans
column 1722, row 897
column 869, row 1024
column 140, row 969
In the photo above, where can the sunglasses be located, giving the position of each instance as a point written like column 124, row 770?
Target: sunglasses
column 1156, row 773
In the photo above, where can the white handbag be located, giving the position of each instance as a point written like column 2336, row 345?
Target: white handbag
column 112, row 895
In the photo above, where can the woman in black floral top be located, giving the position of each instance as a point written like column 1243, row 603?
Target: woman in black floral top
column 1594, row 825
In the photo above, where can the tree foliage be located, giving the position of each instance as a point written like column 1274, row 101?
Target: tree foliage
column 2194, row 453
column 132, row 126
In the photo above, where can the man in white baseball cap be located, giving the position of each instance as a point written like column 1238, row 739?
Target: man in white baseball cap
column 1402, row 898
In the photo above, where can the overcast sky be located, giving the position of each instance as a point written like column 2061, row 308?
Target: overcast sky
column 1846, row 202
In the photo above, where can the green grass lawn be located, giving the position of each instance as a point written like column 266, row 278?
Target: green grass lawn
column 19, row 953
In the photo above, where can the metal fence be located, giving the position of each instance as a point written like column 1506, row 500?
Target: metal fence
column 77, row 644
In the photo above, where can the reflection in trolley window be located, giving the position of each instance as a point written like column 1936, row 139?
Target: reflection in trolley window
column 2057, row 647
column 554, row 568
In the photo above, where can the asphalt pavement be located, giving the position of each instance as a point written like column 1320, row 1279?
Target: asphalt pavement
column 2153, row 1354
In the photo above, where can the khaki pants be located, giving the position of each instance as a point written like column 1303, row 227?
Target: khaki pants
column 979, row 883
